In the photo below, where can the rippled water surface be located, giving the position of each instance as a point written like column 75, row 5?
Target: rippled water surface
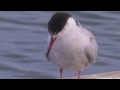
column 23, row 35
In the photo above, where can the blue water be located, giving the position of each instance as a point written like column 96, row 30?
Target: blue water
column 23, row 36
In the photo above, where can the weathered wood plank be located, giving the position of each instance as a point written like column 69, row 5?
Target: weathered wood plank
column 108, row 75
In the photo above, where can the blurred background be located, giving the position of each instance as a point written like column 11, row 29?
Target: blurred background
column 23, row 36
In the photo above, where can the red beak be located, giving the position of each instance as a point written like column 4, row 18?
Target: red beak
column 52, row 42
column 50, row 46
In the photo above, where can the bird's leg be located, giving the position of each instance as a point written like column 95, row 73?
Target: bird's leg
column 79, row 71
column 60, row 73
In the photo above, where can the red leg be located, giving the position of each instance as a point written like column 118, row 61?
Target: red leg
column 60, row 73
column 79, row 74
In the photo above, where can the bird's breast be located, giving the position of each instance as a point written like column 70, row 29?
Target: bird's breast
column 68, row 52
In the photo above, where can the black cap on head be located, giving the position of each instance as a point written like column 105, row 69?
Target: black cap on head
column 57, row 22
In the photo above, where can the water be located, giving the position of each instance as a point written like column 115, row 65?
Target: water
column 23, row 35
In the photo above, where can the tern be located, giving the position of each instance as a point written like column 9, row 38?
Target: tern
column 70, row 46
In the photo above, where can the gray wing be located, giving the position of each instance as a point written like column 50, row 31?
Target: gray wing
column 91, row 51
column 90, row 44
